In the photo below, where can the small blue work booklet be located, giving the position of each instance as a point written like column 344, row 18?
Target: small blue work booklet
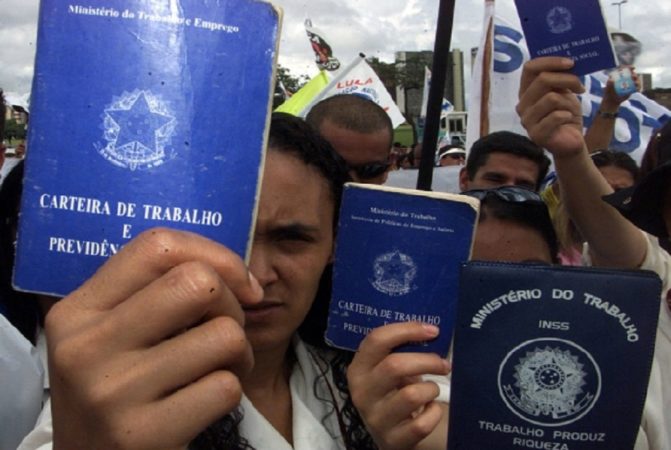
column 550, row 357
column 574, row 29
column 397, row 259
column 144, row 114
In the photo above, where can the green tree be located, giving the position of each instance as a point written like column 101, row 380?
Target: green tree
column 14, row 130
column 291, row 83
column 387, row 72
column 409, row 75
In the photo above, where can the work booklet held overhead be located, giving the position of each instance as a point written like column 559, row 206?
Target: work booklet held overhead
column 573, row 29
column 397, row 259
column 555, row 358
column 143, row 114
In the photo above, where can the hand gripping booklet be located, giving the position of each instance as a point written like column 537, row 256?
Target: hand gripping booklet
column 550, row 357
column 397, row 259
column 144, row 113
column 574, row 29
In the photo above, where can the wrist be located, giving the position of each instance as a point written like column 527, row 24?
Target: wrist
column 607, row 113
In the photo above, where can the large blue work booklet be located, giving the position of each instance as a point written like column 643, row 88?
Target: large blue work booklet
column 397, row 259
column 144, row 114
column 574, row 29
column 551, row 357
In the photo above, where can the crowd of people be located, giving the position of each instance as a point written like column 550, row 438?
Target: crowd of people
column 176, row 343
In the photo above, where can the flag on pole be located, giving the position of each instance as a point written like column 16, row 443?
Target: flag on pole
column 480, row 98
column 359, row 78
column 285, row 92
column 323, row 52
column 302, row 97
column 496, row 82
column 445, row 108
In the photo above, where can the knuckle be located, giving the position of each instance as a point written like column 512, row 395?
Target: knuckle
column 420, row 429
column 545, row 78
column 226, row 386
column 375, row 338
column 393, row 364
column 73, row 355
column 412, row 395
column 555, row 99
column 225, row 332
column 157, row 242
column 196, row 281
column 57, row 316
column 102, row 394
column 63, row 358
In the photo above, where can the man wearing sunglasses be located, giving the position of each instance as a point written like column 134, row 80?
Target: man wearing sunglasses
column 360, row 131
column 514, row 226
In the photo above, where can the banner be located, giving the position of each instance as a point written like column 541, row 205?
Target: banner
column 495, row 89
column 359, row 78
column 323, row 53
column 302, row 97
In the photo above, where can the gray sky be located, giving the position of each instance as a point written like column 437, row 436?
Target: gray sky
column 374, row 27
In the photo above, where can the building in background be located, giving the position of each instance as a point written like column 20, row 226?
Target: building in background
column 660, row 95
column 646, row 81
column 409, row 90
column 410, row 86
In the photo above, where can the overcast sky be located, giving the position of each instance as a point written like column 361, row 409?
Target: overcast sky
column 374, row 27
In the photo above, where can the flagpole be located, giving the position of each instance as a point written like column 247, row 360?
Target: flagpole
column 441, row 49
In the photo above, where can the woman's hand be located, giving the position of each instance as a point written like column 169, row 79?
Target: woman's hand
column 398, row 408
column 146, row 354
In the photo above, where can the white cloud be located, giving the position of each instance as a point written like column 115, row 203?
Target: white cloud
column 375, row 27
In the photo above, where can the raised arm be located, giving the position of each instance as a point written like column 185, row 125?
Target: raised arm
column 600, row 132
column 551, row 114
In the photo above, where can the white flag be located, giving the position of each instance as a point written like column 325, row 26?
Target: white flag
column 496, row 84
column 359, row 78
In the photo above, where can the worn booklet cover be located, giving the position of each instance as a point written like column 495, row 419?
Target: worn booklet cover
column 144, row 114
column 574, row 29
column 397, row 259
column 551, row 357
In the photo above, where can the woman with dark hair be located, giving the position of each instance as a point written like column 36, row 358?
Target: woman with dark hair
column 174, row 343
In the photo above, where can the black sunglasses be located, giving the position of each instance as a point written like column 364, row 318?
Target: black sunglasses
column 510, row 194
column 370, row 170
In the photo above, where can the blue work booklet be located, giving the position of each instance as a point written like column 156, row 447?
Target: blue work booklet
column 397, row 259
column 574, row 29
column 550, row 357
column 144, row 114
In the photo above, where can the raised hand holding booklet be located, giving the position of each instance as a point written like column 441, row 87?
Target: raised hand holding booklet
column 144, row 114
column 551, row 357
column 397, row 259
column 574, row 29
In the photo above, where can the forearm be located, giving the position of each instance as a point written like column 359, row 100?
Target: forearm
column 613, row 240
column 600, row 133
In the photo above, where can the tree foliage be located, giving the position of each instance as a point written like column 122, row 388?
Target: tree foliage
column 408, row 74
column 14, row 130
column 291, row 83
